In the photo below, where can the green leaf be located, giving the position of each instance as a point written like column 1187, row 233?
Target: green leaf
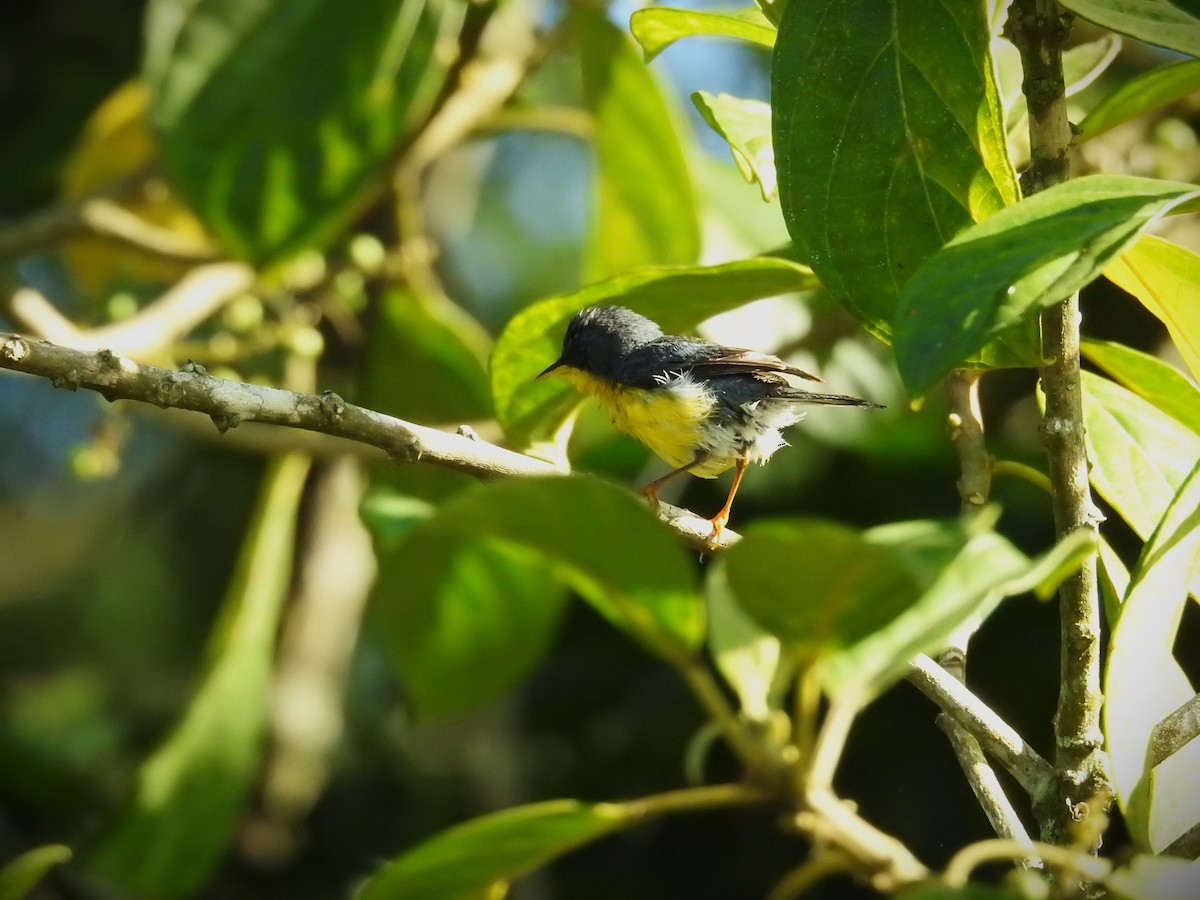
column 607, row 544
column 746, row 126
column 1113, row 579
column 465, row 620
column 21, row 875
column 1140, row 94
column 747, row 656
column 1152, row 21
column 675, row 297
column 426, row 361
column 1022, row 260
column 1144, row 682
column 656, row 28
column 1155, row 381
column 849, row 590
column 987, row 570
column 1160, row 877
column 645, row 213
column 889, row 140
column 1139, row 456
column 470, row 861
column 1165, row 278
column 192, row 789
column 275, row 117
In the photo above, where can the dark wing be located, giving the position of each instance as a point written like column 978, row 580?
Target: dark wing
column 734, row 361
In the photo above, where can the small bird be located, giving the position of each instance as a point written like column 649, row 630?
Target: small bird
column 702, row 407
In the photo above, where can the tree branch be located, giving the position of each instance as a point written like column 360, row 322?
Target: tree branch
column 1039, row 28
column 230, row 403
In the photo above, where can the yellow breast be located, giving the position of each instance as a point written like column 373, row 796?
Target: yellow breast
column 673, row 420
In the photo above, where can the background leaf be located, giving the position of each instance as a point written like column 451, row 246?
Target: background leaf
column 746, row 127
column 656, row 28
column 1139, row 456
column 274, row 116
column 1140, row 94
column 676, row 298
column 1143, row 680
column 1152, row 21
column 1155, row 381
column 21, row 875
column 745, row 654
column 645, row 212
column 1020, row 261
column 1165, row 278
column 467, row 862
column 889, row 140
column 191, row 790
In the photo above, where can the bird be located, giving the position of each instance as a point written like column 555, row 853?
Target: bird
column 702, row 407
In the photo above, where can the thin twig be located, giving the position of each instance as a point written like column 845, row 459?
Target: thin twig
column 230, row 403
column 1039, row 29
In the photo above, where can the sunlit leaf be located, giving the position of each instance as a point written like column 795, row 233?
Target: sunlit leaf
column 466, row 620
column 645, row 212
column 987, row 570
column 1152, row 21
column 191, row 790
column 602, row 540
column 1166, row 279
column 1140, row 94
column 1158, row 877
column 849, row 590
column 1140, row 456
column 1020, row 261
column 1155, row 381
column 657, row 27
column 21, row 875
column 470, row 861
column 1143, row 680
column 676, row 297
column 276, row 117
column 889, row 140
column 1082, row 65
column 746, row 126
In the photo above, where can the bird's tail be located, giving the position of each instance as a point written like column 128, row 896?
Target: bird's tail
column 811, row 397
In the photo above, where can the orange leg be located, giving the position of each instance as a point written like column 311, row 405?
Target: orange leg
column 722, row 517
column 651, row 490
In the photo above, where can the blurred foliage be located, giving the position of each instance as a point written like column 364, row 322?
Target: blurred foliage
column 191, row 698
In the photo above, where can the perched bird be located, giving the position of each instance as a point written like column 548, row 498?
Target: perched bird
column 702, row 407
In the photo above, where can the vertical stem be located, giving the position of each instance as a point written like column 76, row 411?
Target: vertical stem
column 1038, row 28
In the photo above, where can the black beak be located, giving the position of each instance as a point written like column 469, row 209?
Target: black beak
column 552, row 368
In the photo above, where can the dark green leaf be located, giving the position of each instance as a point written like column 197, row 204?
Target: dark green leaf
column 889, row 140
column 849, row 588
column 1020, row 261
column 468, row 862
column 1143, row 93
column 1155, row 381
column 645, row 213
column 21, row 875
column 464, row 620
column 191, row 790
column 987, row 570
column 606, row 542
column 656, row 28
column 675, row 297
column 1152, row 21
column 275, row 117
column 1144, row 682
column 746, row 126
column 1139, row 456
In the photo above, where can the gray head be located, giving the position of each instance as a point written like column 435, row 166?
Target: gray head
column 600, row 336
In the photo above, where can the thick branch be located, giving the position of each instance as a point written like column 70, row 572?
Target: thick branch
column 1039, row 28
column 230, row 403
